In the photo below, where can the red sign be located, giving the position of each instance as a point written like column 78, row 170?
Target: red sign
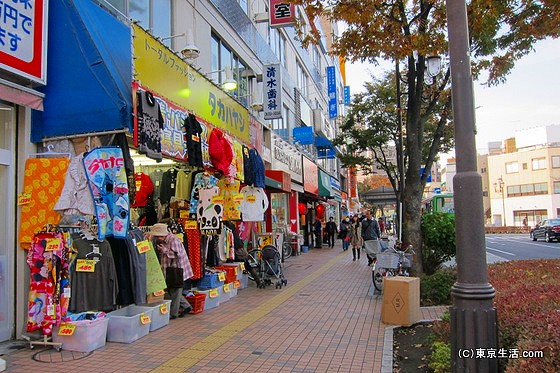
column 23, row 38
column 310, row 176
column 281, row 13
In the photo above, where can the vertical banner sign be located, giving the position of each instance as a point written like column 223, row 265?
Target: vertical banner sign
column 352, row 182
column 346, row 95
column 272, row 92
column 331, row 90
column 281, row 13
column 23, row 38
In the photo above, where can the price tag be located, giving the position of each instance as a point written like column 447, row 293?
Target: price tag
column 251, row 199
column 184, row 214
column 242, row 265
column 238, row 197
column 138, row 184
column 143, row 246
column 221, row 276
column 50, row 310
column 159, row 293
column 84, row 265
column 218, row 200
column 236, row 284
column 191, row 224
column 66, row 329
column 145, row 319
column 163, row 308
column 235, row 268
column 53, row 244
column 24, row 198
column 226, row 288
column 213, row 293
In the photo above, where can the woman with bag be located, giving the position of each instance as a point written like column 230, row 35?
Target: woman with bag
column 355, row 234
column 175, row 266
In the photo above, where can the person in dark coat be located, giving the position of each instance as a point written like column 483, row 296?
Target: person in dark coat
column 331, row 229
column 318, row 231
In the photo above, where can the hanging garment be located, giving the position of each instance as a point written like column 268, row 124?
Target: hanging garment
column 108, row 185
column 236, row 167
column 155, row 281
column 194, row 250
column 150, row 124
column 75, row 198
column 137, row 265
column 95, row 290
column 184, row 185
column 201, row 180
column 248, row 172
column 220, row 150
column 49, row 288
column 194, row 141
column 210, row 211
column 229, row 190
column 156, row 176
column 258, row 168
column 123, row 267
column 168, row 185
column 254, row 204
column 144, row 189
column 43, row 182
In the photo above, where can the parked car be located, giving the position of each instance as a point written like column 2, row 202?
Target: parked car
column 548, row 229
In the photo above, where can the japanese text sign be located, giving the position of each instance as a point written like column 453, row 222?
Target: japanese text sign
column 281, row 13
column 272, row 92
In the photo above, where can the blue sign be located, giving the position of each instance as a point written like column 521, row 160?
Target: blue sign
column 346, row 95
column 428, row 177
column 437, row 190
column 331, row 90
column 303, row 135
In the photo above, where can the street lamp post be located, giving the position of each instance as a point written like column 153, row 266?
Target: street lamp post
column 473, row 316
column 499, row 188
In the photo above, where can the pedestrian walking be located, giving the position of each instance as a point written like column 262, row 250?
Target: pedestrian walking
column 318, row 231
column 381, row 223
column 344, row 231
column 355, row 235
column 331, row 229
column 370, row 235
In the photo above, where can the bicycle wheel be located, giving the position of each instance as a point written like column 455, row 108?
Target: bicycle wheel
column 377, row 277
column 287, row 249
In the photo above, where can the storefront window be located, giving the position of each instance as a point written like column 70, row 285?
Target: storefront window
column 279, row 208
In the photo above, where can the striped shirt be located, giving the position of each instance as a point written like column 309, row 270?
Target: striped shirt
column 172, row 248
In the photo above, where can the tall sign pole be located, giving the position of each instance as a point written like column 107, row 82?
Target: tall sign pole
column 473, row 316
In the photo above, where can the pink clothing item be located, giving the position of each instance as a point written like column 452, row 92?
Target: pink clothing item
column 172, row 248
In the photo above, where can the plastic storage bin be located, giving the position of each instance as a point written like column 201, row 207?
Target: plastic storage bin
column 210, row 281
column 197, row 302
column 88, row 335
column 212, row 299
column 160, row 314
column 126, row 324
column 231, row 272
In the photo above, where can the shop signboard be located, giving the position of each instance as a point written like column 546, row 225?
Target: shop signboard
column 310, row 176
column 331, row 91
column 185, row 86
column 23, row 38
column 285, row 157
column 272, row 99
column 281, row 13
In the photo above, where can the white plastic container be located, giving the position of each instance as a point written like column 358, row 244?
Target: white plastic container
column 88, row 335
column 160, row 314
column 126, row 324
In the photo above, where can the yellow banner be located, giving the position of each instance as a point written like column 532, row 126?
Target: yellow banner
column 160, row 70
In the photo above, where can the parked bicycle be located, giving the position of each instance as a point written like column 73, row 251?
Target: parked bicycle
column 395, row 261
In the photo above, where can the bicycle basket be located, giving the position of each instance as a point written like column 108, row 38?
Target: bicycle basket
column 387, row 260
column 407, row 261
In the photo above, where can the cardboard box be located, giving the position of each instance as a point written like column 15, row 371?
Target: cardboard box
column 401, row 300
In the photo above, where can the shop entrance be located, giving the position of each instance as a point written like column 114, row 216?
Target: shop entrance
column 7, row 218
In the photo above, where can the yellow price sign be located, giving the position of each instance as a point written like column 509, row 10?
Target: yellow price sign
column 226, row 288
column 66, row 329
column 238, row 197
column 218, row 199
column 221, row 276
column 235, row 268
column 183, row 214
column 236, row 284
column 85, row 265
column 159, row 293
column 242, row 266
column 53, row 244
column 191, row 224
column 24, row 198
column 143, row 246
column 163, row 308
column 251, row 199
column 180, row 235
column 145, row 319
column 213, row 293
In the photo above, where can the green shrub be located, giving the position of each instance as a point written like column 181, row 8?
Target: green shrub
column 435, row 289
column 438, row 240
column 440, row 359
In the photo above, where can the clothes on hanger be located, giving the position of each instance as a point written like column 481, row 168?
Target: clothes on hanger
column 254, row 204
column 75, row 197
column 150, row 124
column 194, row 142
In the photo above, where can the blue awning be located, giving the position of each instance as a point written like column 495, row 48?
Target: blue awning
column 89, row 72
column 325, row 148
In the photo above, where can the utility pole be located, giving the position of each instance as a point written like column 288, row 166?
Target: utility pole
column 473, row 316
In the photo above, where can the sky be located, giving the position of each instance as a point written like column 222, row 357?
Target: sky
column 529, row 98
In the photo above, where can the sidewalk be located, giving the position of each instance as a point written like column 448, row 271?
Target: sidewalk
column 326, row 319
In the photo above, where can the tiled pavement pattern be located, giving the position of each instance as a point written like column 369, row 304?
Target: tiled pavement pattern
column 327, row 319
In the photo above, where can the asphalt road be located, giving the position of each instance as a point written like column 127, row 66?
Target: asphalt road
column 505, row 247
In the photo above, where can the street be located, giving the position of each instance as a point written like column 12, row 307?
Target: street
column 505, row 247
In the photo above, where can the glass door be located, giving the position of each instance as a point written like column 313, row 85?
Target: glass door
column 7, row 219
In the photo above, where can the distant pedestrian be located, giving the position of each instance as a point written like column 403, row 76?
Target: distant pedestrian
column 381, row 225
column 331, row 229
column 318, row 231
column 370, row 235
column 343, row 235
column 525, row 221
column 355, row 235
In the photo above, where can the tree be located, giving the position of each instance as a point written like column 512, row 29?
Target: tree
column 408, row 32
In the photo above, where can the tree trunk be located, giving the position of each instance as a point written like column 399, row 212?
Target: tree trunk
column 412, row 234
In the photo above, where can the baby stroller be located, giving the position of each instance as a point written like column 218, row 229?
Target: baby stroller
column 271, row 267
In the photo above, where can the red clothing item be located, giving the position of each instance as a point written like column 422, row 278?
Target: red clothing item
column 144, row 189
column 219, row 148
